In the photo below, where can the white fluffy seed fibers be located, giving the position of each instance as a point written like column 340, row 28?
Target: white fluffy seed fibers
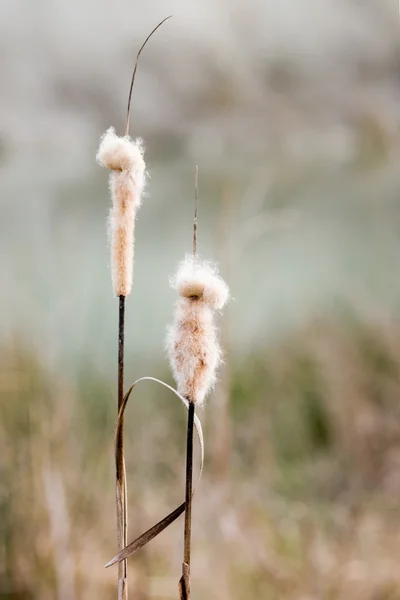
column 124, row 158
column 192, row 341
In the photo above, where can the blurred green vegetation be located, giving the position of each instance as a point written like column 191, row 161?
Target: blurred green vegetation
column 304, row 502
column 298, row 499
column 291, row 112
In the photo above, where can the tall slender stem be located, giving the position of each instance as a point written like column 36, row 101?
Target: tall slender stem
column 128, row 112
column 120, row 461
column 185, row 580
column 196, row 209
column 184, row 583
column 121, row 332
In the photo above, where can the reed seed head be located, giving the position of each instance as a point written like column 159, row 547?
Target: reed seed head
column 120, row 153
column 192, row 341
column 124, row 158
column 200, row 281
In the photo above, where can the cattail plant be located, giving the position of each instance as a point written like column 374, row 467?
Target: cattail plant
column 194, row 355
column 124, row 158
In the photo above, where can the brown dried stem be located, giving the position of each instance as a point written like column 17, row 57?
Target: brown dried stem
column 128, row 112
column 121, row 489
column 184, row 583
column 196, row 206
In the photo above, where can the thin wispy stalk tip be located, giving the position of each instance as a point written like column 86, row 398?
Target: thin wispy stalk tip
column 128, row 112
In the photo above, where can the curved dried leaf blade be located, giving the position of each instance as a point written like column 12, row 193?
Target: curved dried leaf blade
column 147, row 536
column 151, row 533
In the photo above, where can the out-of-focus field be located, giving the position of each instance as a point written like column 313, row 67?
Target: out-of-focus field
column 293, row 114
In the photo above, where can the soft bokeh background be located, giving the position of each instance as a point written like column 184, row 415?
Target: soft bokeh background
column 292, row 111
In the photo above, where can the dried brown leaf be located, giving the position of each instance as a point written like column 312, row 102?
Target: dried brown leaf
column 151, row 533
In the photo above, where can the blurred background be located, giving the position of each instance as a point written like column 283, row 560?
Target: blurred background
column 292, row 111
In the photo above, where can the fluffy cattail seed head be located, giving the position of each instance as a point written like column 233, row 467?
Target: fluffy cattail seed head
column 124, row 158
column 192, row 342
column 200, row 280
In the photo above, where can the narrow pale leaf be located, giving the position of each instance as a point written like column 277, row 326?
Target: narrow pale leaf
column 151, row 533
column 147, row 536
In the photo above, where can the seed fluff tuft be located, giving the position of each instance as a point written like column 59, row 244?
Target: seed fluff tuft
column 192, row 341
column 124, row 158
column 200, row 280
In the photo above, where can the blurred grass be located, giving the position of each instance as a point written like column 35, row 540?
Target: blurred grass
column 299, row 495
column 292, row 115
column 309, row 507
